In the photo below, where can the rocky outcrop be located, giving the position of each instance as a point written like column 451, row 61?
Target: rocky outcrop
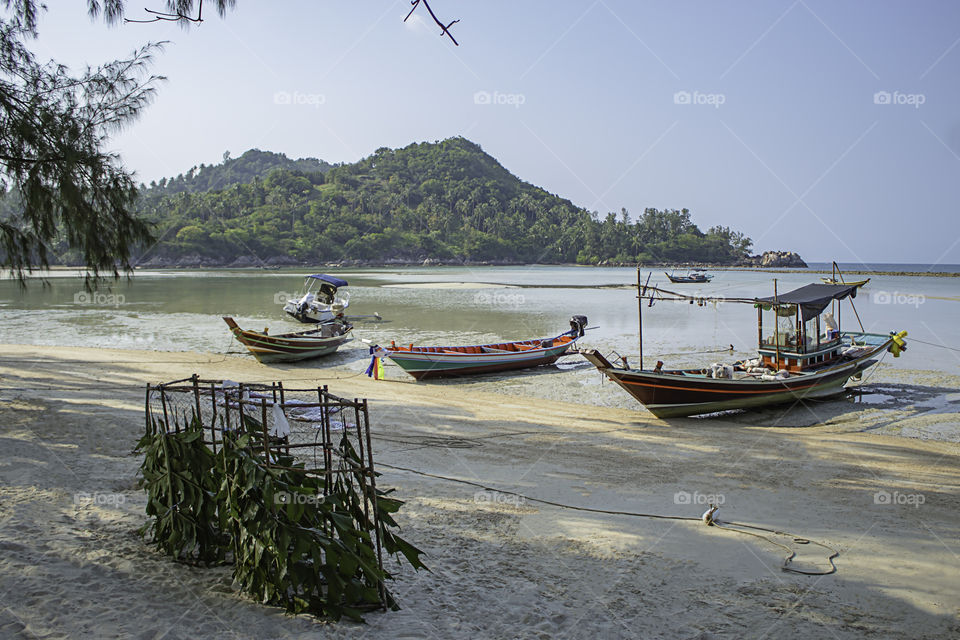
column 775, row 259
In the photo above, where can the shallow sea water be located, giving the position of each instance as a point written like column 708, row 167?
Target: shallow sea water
column 182, row 311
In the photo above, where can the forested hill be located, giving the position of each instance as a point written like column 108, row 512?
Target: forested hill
column 216, row 177
column 446, row 201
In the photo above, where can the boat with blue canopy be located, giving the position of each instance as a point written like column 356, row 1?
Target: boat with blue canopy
column 320, row 301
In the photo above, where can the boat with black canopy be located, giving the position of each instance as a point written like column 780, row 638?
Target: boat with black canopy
column 802, row 353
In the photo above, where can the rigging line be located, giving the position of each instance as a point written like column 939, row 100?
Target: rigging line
column 437, row 441
column 934, row 344
column 872, row 371
column 53, row 359
column 728, row 526
column 728, row 349
column 102, row 384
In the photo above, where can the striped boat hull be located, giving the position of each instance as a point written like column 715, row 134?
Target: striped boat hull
column 671, row 394
column 288, row 347
column 436, row 362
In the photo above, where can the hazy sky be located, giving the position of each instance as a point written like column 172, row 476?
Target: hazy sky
column 830, row 128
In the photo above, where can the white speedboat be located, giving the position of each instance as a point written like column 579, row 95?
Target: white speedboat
column 320, row 301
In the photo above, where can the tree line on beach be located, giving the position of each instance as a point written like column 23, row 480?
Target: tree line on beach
column 445, row 201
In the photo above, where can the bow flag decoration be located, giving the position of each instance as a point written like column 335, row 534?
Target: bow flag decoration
column 375, row 370
column 897, row 344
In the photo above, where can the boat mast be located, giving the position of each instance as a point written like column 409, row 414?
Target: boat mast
column 776, row 325
column 640, row 315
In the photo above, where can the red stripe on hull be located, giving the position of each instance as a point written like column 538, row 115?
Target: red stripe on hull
column 486, row 368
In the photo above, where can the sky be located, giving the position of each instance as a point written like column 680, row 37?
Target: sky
column 827, row 128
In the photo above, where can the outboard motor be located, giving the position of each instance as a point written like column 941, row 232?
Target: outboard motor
column 577, row 325
column 305, row 303
column 327, row 293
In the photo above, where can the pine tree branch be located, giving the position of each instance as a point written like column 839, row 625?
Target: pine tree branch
column 444, row 29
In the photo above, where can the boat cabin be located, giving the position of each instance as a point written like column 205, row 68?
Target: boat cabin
column 322, row 287
column 794, row 330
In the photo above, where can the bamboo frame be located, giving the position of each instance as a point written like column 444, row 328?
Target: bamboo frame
column 212, row 405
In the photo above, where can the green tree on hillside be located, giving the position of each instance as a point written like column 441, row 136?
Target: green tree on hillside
column 447, row 200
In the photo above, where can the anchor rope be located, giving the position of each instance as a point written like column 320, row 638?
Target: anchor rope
column 728, row 526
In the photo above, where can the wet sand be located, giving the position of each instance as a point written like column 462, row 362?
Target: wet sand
column 502, row 566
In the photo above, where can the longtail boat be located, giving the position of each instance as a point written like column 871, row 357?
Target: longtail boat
column 436, row 362
column 852, row 283
column 291, row 347
column 804, row 356
column 694, row 277
column 836, row 277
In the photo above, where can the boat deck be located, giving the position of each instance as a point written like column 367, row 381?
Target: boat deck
column 854, row 345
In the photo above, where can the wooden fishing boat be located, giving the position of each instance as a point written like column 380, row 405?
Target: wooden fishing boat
column 291, row 347
column 318, row 301
column 836, row 277
column 435, row 362
column 693, row 277
column 802, row 358
column 852, row 283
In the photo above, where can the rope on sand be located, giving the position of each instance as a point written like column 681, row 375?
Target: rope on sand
column 728, row 526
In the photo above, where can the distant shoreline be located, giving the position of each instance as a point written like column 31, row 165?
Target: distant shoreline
column 679, row 267
column 5, row 274
column 934, row 274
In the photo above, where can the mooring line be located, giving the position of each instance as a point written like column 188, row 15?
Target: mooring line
column 659, row 516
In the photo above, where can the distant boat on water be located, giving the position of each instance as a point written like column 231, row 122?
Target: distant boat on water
column 836, row 277
column 852, row 283
column 695, row 276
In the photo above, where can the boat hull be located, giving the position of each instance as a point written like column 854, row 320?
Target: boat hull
column 674, row 394
column 315, row 313
column 433, row 365
column 436, row 362
column 272, row 352
column 689, row 279
column 291, row 347
column 852, row 283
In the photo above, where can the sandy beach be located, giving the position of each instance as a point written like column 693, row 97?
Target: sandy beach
column 502, row 566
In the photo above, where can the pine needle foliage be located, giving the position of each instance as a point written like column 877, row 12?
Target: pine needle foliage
column 68, row 191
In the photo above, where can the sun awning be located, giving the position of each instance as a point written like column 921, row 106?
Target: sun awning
column 813, row 298
column 337, row 282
